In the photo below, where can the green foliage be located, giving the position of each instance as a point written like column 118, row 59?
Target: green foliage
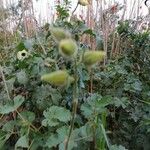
column 126, row 79
column 3, row 138
column 12, row 106
column 54, row 115
column 115, row 147
column 23, row 142
column 37, row 115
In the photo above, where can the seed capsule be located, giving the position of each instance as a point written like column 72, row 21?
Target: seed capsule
column 83, row 2
column 92, row 57
column 59, row 34
column 57, row 78
column 68, row 48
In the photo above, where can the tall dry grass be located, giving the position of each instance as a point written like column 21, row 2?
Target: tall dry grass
column 98, row 15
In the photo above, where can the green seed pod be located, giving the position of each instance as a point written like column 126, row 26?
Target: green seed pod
column 92, row 57
column 71, row 79
column 83, row 2
column 57, row 78
column 59, row 34
column 69, row 82
column 68, row 48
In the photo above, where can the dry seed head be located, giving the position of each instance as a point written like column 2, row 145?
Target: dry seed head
column 59, row 34
column 92, row 57
column 68, row 48
column 83, row 2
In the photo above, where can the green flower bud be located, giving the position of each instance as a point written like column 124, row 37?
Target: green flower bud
column 68, row 48
column 58, row 78
column 59, row 34
column 92, row 57
column 83, row 2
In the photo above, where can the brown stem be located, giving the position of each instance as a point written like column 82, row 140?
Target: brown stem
column 75, row 9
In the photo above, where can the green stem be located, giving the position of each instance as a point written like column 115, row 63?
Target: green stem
column 91, row 81
column 75, row 104
column 91, row 91
column 105, row 136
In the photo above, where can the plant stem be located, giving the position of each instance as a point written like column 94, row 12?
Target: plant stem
column 75, row 104
column 105, row 136
column 91, row 81
column 91, row 91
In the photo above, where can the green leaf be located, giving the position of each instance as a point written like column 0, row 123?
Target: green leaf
column 95, row 104
column 22, row 77
column 123, row 102
column 146, row 122
column 148, row 103
column 71, row 145
column 99, row 42
column 120, row 70
column 90, row 32
column 10, row 84
column 29, row 44
column 23, row 142
column 62, row 132
column 9, row 126
column 58, row 138
column 20, row 46
column 54, row 115
column 17, row 102
column 137, row 86
column 53, row 141
column 133, row 84
column 42, row 96
column 86, row 110
column 38, row 141
column 28, row 115
column 116, row 147
column 104, row 101
column 55, row 95
column 86, row 131
column 3, row 138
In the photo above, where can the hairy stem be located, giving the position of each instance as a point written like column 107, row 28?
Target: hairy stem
column 75, row 104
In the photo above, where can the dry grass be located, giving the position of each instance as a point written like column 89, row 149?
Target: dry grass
column 98, row 15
